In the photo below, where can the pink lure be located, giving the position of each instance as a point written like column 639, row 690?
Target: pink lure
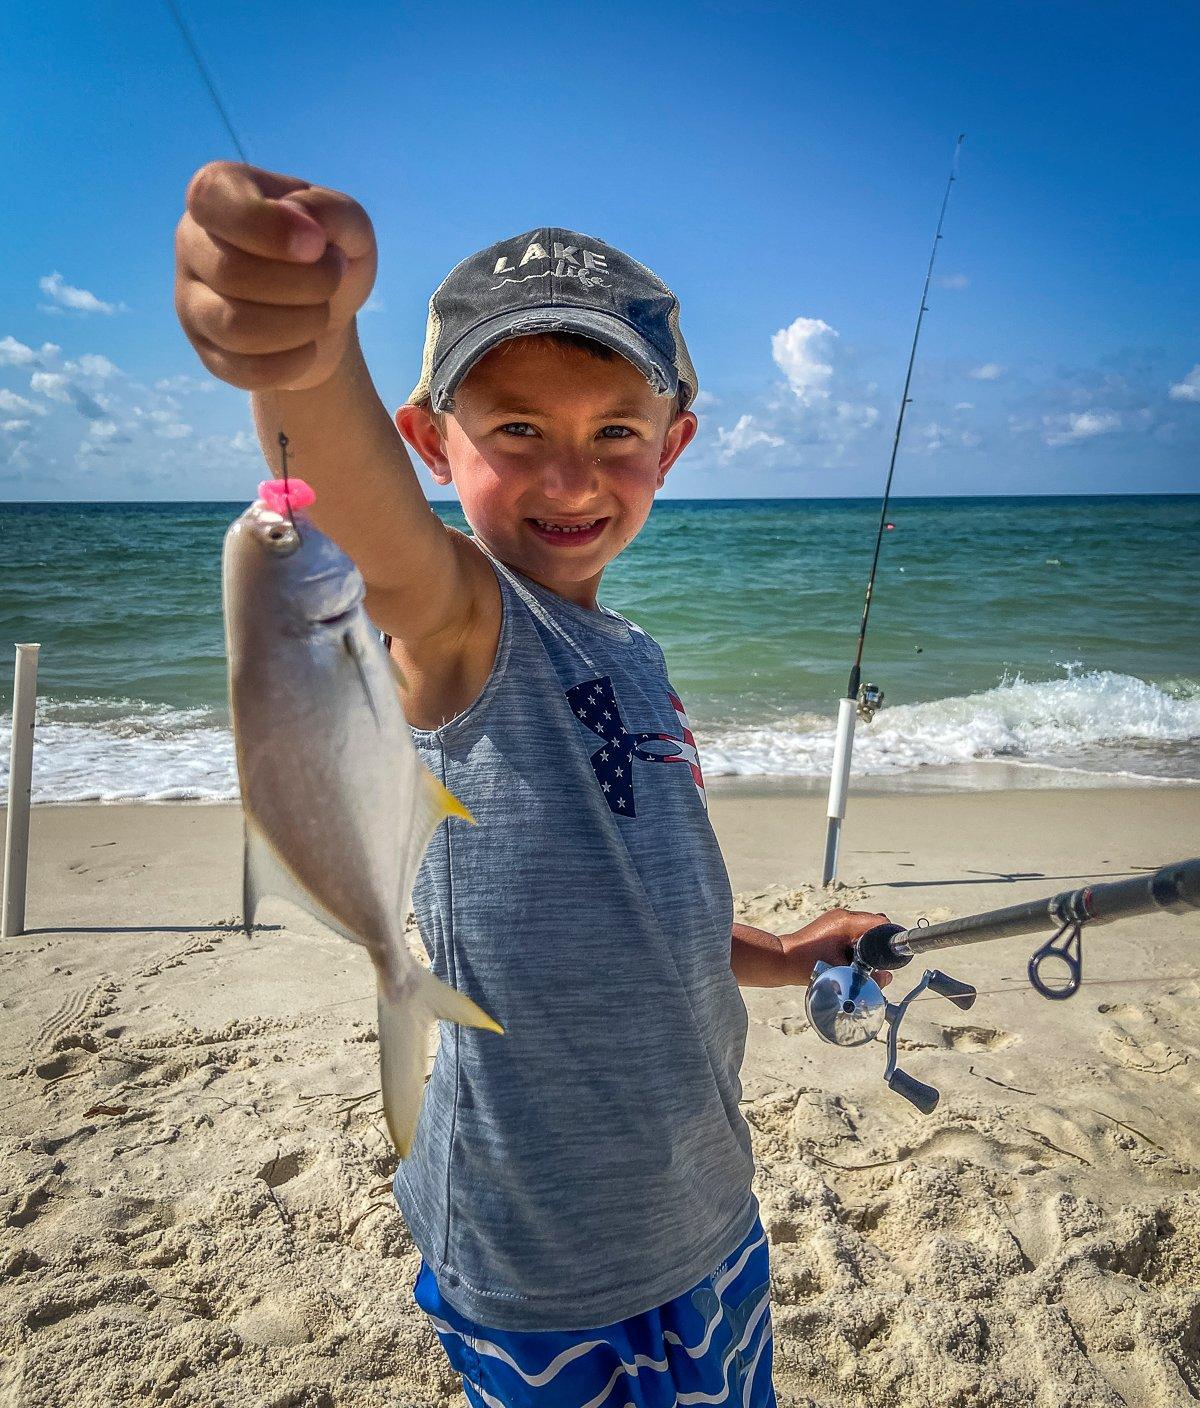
column 296, row 495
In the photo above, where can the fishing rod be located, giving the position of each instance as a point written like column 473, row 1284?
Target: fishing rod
column 846, row 1006
column 862, row 700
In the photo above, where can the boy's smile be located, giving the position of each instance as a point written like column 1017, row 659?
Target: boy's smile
column 556, row 454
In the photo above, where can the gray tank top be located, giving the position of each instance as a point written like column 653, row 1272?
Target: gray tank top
column 592, row 1163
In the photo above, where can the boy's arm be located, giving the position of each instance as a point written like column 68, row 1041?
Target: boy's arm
column 421, row 577
column 762, row 960
column 270, row 272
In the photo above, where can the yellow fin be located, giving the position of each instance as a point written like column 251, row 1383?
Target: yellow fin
column 446, row 802
column 403, row 1029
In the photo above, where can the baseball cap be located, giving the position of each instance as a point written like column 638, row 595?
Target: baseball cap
column 552, row 280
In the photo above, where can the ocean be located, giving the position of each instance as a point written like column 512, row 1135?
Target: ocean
column 1019, row 641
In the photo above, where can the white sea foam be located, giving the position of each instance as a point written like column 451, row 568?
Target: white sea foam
column 110, row 750
column 1097, row 722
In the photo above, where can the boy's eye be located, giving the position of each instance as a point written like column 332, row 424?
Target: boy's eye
column 622, row 432
column 518, row 427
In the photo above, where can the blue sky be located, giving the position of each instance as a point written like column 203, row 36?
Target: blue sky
column 780, row 165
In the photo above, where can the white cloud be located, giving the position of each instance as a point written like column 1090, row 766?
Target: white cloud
column 104, row 429
column 952, row 281
column 744, row 436
column 51, row 384
column 245, row 443
column 94, row 365
column 801, row 352
column 56, row 386
column 813, row 416
column 1189, row 388
column 1079, row 425
column 13, row 426
column 77, row 300
column 19, row 405
column 989, row 371
column 855, row 415
column 936, row 437
column 704, row 401
column 16, row 354
column 174, row 431
column 964, row 405
column 184, row 383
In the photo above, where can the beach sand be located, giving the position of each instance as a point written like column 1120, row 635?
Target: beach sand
column 195, row 1177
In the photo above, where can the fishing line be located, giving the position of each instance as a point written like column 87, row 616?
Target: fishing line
column 206, row 77
column 210, row 83
column 905, row 402
column 861, row 699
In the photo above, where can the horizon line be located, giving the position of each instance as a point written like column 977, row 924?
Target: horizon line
column 701, row 499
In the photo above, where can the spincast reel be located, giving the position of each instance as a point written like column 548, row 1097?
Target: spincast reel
column 846, row 1006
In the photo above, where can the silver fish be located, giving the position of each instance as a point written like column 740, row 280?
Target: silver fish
column 338, row 807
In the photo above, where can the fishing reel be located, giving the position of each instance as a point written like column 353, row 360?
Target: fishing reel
column 869, row 699
column 846, row 1006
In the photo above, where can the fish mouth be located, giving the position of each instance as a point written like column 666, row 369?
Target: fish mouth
column 337, row 618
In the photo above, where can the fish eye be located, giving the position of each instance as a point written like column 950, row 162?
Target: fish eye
column 281, row 538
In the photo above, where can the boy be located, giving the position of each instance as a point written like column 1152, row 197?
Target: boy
column 580, row 1189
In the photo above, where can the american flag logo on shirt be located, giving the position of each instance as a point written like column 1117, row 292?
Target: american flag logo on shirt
column 595, row 706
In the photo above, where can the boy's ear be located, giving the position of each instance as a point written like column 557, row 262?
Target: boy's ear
column 679, row 436
column 422, row 432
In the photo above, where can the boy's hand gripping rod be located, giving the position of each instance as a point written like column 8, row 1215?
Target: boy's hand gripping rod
column 847, row 1007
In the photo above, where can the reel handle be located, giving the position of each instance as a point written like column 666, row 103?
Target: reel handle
column 916, row 1092
column 961, row 994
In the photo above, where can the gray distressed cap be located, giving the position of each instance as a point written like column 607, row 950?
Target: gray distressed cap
column 552, row 280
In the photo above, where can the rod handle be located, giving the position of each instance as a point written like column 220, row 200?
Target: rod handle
column 874, row 948
column 916, row 1092
column 961, row 994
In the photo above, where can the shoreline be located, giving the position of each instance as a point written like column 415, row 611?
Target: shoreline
column 998, row 778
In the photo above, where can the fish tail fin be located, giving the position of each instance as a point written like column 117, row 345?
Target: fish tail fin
column 403, row 1033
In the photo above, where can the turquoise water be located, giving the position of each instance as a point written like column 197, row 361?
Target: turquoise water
column 1061, row 631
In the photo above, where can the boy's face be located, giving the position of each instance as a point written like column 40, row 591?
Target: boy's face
column 556, row 456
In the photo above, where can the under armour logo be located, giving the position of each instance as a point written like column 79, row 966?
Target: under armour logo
column 595, row 706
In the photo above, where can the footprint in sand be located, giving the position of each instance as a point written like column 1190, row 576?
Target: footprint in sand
column 975, row 1039
column 1140, row 1054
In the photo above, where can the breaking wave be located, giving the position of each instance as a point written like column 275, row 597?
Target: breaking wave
column 1093, row 722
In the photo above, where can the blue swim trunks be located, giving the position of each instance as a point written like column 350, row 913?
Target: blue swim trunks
column 711, row 1345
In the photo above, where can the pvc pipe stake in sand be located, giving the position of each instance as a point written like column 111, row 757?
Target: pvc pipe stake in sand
column 839, row 783
column 20, row 785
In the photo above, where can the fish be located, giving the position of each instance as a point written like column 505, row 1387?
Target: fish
column 338, row 807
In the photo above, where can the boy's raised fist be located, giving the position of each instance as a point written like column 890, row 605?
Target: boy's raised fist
column 269, row 273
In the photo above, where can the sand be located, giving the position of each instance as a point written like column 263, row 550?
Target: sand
column 195, row 1179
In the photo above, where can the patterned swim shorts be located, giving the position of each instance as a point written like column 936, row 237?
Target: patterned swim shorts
column 709, row 1346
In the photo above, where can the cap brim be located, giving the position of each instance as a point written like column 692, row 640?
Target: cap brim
column 601, row 327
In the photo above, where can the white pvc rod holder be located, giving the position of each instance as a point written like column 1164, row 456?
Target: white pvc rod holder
column 839, row 785
column 20, row 785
